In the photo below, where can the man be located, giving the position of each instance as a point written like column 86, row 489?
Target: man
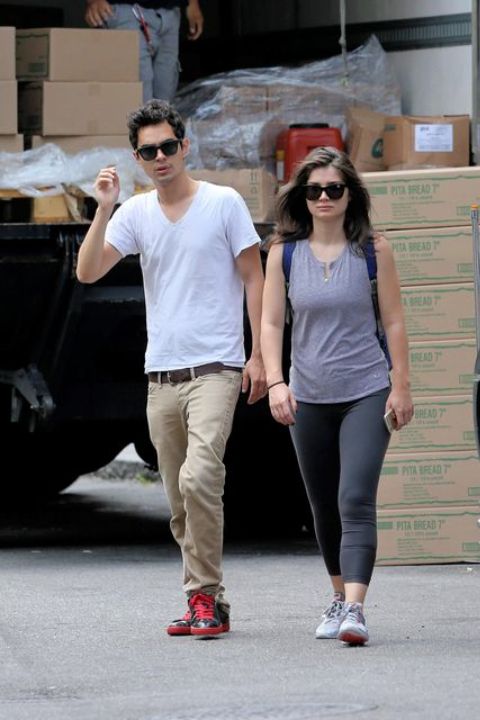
column 158, row 22
column 198, row 250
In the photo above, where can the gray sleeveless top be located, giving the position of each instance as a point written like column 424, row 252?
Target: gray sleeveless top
column 335, row 354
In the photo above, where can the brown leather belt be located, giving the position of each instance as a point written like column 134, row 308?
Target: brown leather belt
column 186, row 374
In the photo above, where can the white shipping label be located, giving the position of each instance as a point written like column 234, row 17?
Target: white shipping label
column 434, row 138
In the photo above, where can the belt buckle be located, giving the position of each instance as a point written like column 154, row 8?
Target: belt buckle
column 181, row 375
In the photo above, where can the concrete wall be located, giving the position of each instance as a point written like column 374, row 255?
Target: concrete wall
column 437, row 81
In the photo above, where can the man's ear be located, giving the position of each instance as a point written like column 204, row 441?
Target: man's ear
column 185, row 147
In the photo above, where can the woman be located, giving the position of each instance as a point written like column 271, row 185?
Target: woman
column 339, row 387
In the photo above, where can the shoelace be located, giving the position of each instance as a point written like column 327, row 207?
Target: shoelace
column 203, row 606
column 335, row 609
column 354, row 614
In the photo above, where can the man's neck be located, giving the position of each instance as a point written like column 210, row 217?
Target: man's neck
column 177, row 190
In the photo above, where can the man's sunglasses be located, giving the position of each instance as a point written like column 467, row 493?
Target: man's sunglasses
column 167, row 148
column 334, row 191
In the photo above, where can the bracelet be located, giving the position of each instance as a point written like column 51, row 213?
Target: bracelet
column 279, row 382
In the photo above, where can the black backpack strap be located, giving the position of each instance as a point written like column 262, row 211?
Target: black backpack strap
column 371, row 258
column 288, row 249
column 287, row 254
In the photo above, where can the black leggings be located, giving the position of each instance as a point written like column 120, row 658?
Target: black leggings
column 340, row 449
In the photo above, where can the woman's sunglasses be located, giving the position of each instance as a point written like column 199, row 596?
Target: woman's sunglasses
column 167, row 148
column 334, row 191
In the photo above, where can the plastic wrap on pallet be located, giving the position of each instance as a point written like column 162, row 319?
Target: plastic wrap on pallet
column 233, row 118
column 47, row 169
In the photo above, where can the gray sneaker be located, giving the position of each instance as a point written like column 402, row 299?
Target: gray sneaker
column 353, row 629
column 332, row 618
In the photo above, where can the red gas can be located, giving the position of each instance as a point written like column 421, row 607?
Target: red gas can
column 296, row 142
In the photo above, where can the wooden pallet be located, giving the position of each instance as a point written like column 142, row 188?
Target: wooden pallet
column 48, row 208
column 67, row 207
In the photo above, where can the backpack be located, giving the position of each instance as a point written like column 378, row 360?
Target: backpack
column 371, row 260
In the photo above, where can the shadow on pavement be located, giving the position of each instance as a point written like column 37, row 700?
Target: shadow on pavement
column 100, row 512
column 91, row 510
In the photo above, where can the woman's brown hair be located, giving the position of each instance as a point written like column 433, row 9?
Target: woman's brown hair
column 295, row 220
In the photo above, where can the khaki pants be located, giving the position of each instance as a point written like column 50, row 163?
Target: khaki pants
column 190, row 423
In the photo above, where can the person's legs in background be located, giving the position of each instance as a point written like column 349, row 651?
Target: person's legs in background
column 165, row 62
column 124, row 19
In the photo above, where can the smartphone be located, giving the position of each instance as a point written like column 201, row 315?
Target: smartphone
column 390, row 420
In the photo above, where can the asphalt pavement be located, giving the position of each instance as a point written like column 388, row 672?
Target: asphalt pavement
column 90, row 581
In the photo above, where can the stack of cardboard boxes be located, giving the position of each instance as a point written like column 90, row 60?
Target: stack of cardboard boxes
column 234, row 146
column 77, row 86
column 235, row 127
column 75, row 89
column 430, row 486
column 10, row 141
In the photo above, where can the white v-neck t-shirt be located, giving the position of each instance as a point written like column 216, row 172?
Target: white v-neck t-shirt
column 193, row 290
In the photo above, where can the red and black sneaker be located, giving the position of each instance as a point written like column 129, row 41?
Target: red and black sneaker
column 181, row 626
column 207, row 617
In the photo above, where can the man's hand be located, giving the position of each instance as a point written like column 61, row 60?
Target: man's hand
column 254, row 375
column 195, row 20
column 107, row 187
column 97, row 12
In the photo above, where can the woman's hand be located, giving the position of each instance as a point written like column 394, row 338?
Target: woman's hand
column 283, row 405
column 402, row 405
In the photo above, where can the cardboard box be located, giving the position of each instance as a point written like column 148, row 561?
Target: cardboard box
column 429, row 479
column 78, row 143
column 67, row 108
column 423, row 198
column 7, row 53
column 436, row 141
column 439, row 424
column 365, row 139
column 442, row 368
column 425, row 536
column 439, row 312
column 11, row 143
column 437, row 255
column 78, row 55
column 311, row 103
column 8, row 107
column 227, row 143
column 255, row 185
column 238, row 101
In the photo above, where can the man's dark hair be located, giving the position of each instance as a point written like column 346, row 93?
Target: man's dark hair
column 154, row 112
